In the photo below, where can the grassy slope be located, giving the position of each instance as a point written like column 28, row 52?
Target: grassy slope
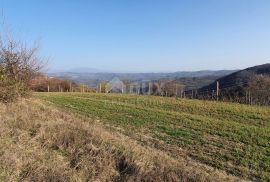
column 40, row 143
column 231, row 137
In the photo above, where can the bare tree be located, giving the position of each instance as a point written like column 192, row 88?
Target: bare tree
column 19, row 62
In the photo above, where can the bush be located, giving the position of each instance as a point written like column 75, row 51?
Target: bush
column 11, row 90
column 7, row 94
column 19, row 64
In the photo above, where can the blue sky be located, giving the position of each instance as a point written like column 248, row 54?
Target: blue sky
column 145, row 35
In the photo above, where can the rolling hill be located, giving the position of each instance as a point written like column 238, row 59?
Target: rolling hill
column 94, row 78
column 240, row 78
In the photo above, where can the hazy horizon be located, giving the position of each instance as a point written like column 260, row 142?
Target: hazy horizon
column 94, row 70
column 145, row 36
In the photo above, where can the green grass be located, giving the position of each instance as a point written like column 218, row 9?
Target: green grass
column 230, row 137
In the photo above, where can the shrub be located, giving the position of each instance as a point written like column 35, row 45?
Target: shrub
column 18, row 65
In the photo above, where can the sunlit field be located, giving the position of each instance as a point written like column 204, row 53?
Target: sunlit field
column 230, row 137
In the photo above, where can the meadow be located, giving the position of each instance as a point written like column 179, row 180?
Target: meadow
column 229, row 137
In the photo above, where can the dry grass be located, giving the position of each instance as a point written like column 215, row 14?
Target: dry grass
column 40, row 143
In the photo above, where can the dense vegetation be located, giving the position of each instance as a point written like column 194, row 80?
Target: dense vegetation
column 230, row 137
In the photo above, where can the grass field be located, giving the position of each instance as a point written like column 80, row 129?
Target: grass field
column 40, row 142
column 230, row 137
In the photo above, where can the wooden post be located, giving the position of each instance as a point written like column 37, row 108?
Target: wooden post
column 249, row 98
column 130, row 88
column 176, row 90
column 70, row 87
column 217, row 90
column 149, row 88
column 99, row 90
column 59, row 88
column 246, row 97
column 48, row 88
column 181, row 93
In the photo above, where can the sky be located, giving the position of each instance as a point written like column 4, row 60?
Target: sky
column 144, row 35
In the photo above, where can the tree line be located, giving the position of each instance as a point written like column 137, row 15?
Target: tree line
column 43, row 83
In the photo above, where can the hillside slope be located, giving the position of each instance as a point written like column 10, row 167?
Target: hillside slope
column 239, row 78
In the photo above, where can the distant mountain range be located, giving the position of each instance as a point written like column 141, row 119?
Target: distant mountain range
column 93, row 77
column 202, row 80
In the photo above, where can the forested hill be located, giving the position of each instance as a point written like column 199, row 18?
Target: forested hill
column 240, row 78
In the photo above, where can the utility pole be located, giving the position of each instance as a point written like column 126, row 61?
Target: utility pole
column 217, row 90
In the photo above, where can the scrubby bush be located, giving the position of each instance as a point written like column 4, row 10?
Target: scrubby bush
column 18, row 65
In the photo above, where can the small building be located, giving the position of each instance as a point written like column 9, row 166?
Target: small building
column 115, row 86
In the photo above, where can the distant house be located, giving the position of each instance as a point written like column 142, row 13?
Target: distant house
column 115, row 86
